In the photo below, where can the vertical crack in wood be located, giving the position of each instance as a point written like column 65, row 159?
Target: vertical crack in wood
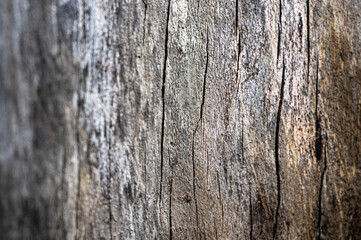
column 197, row 126
column 204, row 81
column 250, row 215
column 163, row 102
column 242, row 141
column 207, row 169
column 145, row 18
column 320, row 192
column 277, row 161
column 145, row 175
column 318, row 139
column 236, row 16
column 308, row 40
column 77, row 203
column 170, row 208
column 238, row 33
column 194, row 176
column 83, row 27
column 78, row 142
column 64, row 162
column 109, row 190
column 279, row 30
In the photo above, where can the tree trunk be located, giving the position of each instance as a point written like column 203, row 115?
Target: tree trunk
column 180, row 119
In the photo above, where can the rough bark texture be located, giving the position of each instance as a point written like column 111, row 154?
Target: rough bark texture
column 180, row 119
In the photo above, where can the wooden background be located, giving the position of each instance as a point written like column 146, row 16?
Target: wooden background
column 184, row 119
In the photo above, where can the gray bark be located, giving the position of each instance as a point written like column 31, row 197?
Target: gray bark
column 180, row 119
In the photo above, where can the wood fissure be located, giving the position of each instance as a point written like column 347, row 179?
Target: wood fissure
column 279, row 30
column 320, row 191
column 277, row 160
column 238, row 34
column 78, row 141
column 179, row 119
column 170, row 208
column 308, row 39
column 163, row 102
column 318, row 137
column 236, row 16
column 109, row 190
column 242, row 141
column 77, row 203
column 204, row 82
column 197, row 126
column 145, row 18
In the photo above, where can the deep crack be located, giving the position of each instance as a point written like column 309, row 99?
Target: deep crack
column 163, row 102
column 279, row 31
column 144, row 19
column 277, row 162
column 170, row 208
column 308, row 40
column 320, row 192
column 198, row 122
column 109, row 192
column 318, row 141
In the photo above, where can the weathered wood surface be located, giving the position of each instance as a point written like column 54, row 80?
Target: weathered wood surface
column 180, row 119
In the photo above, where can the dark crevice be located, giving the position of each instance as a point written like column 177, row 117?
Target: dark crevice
column 320, row 192
column 194, row 178
column 279, row 31
column 220, row 196
column 219, row 185
column 163, row 101
column 170, row 208
column 318, row 141
column 236, row 16
column 79, row 157
column 145, row 18
column 77, row 203
column 109, row 193
column 242, row 143
column 83, row 21
column 207, row 169
column 198, row 122
column 277, row 162
column 239, row 53
column 239, row 50
column 145, row 174
column 308, row 39
column 239, row 45
column 250, row 216
column 204, row 81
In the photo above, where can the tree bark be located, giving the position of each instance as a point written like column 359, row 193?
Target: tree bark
column 180, row 119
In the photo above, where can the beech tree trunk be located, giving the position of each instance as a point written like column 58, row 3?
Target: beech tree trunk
column 180, row 119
